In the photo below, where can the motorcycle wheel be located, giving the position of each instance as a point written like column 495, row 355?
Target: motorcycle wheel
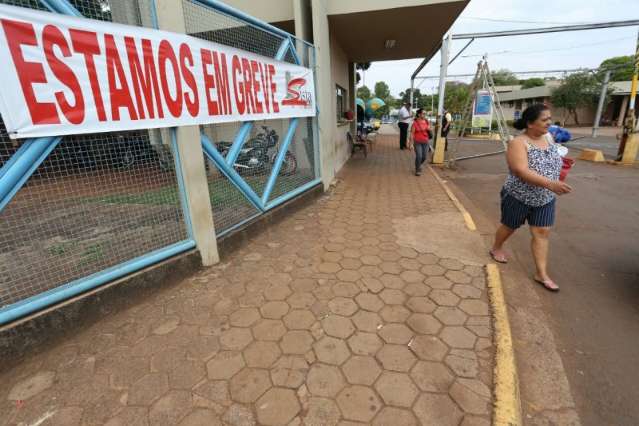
column 289, row 166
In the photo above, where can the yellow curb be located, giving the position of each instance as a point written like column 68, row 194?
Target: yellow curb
column 593, row 155
column 470, row 223
column 507, row 405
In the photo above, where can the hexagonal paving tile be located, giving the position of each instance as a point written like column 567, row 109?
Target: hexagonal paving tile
column 432, row 270
column 439, row 283
column 325, row 380
column 278, row 406
column 417, row 289
column 249, row 384
column 463, row 366
column 439, row 409
column 351, row 264
column 427, row 259
column 369, row 302
column 450, row 316
column 296, row 342
column 394, row 313
column 396, row 358
column 342, row 306
column 224, row 365
column 458, row 337
column 338, row 326
column 365, row 343
column 371, row 260
column 244, row 317
column 367, row 321
column 148, row 389
column 412, row 277
column 467, row 291
column 444, row 297
column 186, row 374
column 261, row 354
column 289, row 371
column 329, row 268
column 373, row 284
column 390, row 268
column 453, row 264
column 235, row 338
column 458, row 277
column 410, row 264
column 361, row 370
column 271, row 330
column 428, row 348
column 392, row 282
column 397, row 334
column 432, row 376
column 358, row 403
column 472, row 396
column 396, row 389
column 277, row 292
column 346, row 289
column 349, row 275
column 474, row 307
column 331, row 350
column 170, row 408
column 274, row 309
column 301, row 300
column 392, row 296
column 332, row 256
column 421, row 305
column 424, row 323
column 201, row 416
column 213, row 390
column 299, row 319
column 395, row 416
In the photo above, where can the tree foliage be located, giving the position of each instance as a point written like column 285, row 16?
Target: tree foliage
column 577, row 90
column 504, row 77
column 621, row 67
column 532, row 82
column 364, row 93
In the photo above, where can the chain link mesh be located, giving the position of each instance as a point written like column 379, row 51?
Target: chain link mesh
column 96, row 201
column 254, row 163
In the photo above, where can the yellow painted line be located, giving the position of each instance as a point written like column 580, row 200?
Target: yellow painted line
column 507, row 405
column 470, row 223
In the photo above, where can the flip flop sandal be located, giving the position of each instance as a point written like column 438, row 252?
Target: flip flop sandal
column 498, row 259
column 548, row 285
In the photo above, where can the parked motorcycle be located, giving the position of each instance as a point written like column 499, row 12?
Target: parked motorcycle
column 258, row 154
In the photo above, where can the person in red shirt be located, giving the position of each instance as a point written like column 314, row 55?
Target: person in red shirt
column 419, row 137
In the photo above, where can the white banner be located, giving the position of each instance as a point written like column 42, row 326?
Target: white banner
column 65, row 75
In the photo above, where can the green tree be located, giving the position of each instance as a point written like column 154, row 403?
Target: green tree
column 456, row 96
column 504, row 77
column 532, row 82
column 621, row 67
column 382, row 91
column 364, row 93
column 577, row 90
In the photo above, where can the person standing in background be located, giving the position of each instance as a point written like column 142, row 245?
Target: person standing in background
column 446, row 122
column 404, row 122
column 420, row 134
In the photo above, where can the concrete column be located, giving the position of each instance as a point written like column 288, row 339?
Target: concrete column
column 352, row 88
column 325, row 91
column 171, row 18
column 622, row 112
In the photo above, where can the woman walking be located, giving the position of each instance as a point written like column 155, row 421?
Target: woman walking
column 419, row 137
column 530, row 188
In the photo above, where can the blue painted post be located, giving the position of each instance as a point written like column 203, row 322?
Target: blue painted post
column 279, row 160
column 180, row 179
column 62, row 7
column 229, row 172
column 43, row 300
column 238, row 142
column 23, row 167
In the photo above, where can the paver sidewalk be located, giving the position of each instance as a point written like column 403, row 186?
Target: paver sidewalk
column 367, row 307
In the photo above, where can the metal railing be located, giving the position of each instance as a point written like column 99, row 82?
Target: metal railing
column 79, row 211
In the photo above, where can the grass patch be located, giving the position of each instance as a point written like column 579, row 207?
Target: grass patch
column 91, row 254
column 60, row 249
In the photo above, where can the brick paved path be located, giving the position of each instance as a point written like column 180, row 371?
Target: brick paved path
column 323, row 319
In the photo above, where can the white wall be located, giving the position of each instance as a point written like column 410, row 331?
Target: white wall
column 339, row 74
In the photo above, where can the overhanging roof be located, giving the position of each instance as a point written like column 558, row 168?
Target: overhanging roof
column 416, row 30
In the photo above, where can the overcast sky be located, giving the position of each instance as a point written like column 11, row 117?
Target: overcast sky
column 565, row 50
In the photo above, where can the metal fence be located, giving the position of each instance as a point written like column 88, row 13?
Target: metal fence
column 96, row 207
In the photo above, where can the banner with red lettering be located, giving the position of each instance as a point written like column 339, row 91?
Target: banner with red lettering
column 64, row 75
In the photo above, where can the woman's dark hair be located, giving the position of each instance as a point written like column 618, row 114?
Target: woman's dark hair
column 530, row 114
column 419, row 111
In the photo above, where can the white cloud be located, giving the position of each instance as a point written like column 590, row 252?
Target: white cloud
column 397, row 73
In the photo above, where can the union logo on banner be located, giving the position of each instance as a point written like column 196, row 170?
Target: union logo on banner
column 295, row 96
